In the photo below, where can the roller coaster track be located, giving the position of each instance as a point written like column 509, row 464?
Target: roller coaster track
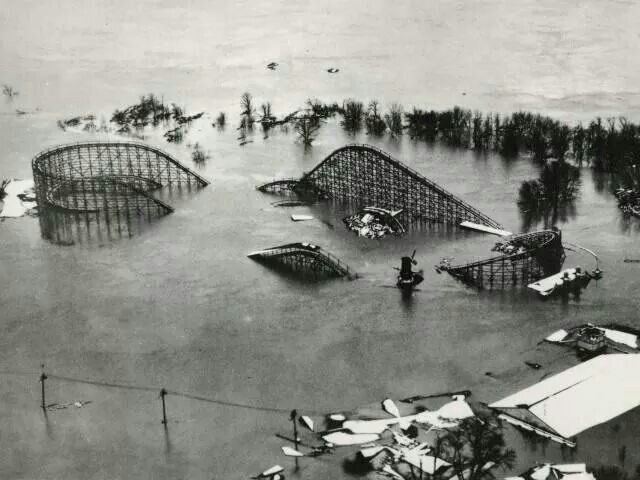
column 108, row 176
column 306, row 258
column 535, row 255
column 366, row 174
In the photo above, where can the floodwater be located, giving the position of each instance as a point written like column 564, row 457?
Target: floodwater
column 180, row 306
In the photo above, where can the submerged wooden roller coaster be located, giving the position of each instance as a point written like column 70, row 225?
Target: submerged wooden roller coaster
column 525, row 258
column 304, row 258
column 370, row 176
column 108, row 183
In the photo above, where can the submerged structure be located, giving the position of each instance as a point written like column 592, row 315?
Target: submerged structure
column 524, row 258
column 564, row 405
column 408, row 279
column 369, row 176
column 304, row 258
column 374, row 222
column 591, row 338
column 109, row 184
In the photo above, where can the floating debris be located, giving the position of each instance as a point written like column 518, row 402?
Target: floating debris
column 301, row 218
column 631, row 260
column 573, row 471
column 374, row 222
column 570, row 280
column 534, row 365
column 307, row 422
column 291, row 452
column 592, row 338
column 272, row 66
column 19, row 198
column 290, row 203
column 390, row 407
column 333, row 70
column 485, row 229
column 415, row 398
column 64, row 406
column 343, row 439
column 272, row 473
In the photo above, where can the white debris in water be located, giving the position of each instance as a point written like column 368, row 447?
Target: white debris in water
column 571, row 471
column 557, row 336
column 272, row 471
column 371, row 451
column 15, row 207
column 390, row 407
column 389, row 470
column 447, row 416
column 341, row 439
column 292, row 452
column 337, row 417
column 307, row 422
column 300, row 218
column 624, row 338
column 580, row 397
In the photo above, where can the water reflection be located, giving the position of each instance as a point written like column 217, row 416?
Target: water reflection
column 550, row 198
column 64, row 227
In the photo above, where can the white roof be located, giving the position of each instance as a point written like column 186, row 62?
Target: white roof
column 583, row 396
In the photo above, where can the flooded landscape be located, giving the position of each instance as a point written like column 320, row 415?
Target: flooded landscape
column 172, row 301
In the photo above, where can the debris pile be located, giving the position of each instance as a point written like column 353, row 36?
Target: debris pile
column 570, row 280
column 393, row 445
column 593, row 338
column 373, row 222
column 509, row 247
column 547, row 471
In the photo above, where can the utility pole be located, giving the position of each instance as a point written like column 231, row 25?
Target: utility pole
column 163, row 393
column 43, row 377
column 292, row 417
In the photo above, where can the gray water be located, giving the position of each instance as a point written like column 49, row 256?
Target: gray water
column 180, row 306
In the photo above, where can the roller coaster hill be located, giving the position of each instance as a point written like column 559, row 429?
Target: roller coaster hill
column 106, row 185
column 366, row 175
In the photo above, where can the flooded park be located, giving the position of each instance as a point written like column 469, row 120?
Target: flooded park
column 232, row 244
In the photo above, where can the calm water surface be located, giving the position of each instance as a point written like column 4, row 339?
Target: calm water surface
column 180, row 306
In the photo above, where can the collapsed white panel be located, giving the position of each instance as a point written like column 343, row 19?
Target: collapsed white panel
column 583, row 396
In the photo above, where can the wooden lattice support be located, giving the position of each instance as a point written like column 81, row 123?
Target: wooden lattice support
column 368, row 175
column 97, row 175
column 305, row 258
column 543, row 255
column 108, row 184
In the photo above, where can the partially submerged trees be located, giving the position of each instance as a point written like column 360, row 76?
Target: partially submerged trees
column 8, row 91
column 476, row 445
column 307, row 127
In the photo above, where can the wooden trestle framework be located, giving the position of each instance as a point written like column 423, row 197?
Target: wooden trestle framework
column 368, row 175
column 104, row 182
column 541, row 255
column 304, row 258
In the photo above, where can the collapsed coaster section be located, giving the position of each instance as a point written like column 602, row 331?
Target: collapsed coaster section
column 370, row 176
column 525, row 258
column 304, row 258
